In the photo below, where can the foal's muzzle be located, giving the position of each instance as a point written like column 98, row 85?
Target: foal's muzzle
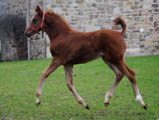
column 28, row 33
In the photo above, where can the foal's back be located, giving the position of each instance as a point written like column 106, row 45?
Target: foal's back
column 81, row 47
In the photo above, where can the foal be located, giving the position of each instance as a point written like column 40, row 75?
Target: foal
column 69, row 47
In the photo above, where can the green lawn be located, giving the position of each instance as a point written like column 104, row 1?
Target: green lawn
column 19, row 80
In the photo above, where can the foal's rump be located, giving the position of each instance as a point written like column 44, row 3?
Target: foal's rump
column 110, row 43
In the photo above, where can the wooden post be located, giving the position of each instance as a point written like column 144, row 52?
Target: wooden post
column 27, row 23
column 0, row 50
column 45, row 52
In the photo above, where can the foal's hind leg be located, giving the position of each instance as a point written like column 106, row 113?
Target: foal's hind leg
column 131, row 76
column 69, row 81
column 117, row 79
column 51, row 68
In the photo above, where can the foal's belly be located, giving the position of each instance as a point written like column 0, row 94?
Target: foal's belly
column 84, row 58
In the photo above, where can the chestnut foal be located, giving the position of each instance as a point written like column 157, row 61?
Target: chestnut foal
column 69, row 47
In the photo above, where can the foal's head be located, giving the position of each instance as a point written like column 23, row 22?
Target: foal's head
column 37, row 23
column 46, row 21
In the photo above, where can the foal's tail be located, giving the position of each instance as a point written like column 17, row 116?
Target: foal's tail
column 120, row 21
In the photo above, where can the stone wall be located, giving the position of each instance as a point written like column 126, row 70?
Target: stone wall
column 17, row 7
column 142, row 17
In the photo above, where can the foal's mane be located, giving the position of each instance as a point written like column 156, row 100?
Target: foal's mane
column 59, row 19
column 49, row 11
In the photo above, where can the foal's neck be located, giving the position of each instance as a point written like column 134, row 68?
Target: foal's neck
column 56, row 25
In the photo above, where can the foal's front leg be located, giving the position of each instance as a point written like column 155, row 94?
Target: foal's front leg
column 51, row 68
column 69, row 81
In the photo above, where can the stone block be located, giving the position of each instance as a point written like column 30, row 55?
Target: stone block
column 129, row 3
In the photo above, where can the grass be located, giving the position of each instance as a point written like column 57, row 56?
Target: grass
column 19, row 80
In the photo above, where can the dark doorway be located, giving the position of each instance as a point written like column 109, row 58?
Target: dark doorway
column 13, row 43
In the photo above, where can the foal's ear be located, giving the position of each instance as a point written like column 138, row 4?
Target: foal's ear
column 39, row 10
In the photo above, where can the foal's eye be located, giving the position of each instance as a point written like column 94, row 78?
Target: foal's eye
column 34, row 21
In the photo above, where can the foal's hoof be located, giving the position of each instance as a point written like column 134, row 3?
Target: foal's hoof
column 37, row 104
column 145, row 107
column 106, row 104
column 87, row 107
